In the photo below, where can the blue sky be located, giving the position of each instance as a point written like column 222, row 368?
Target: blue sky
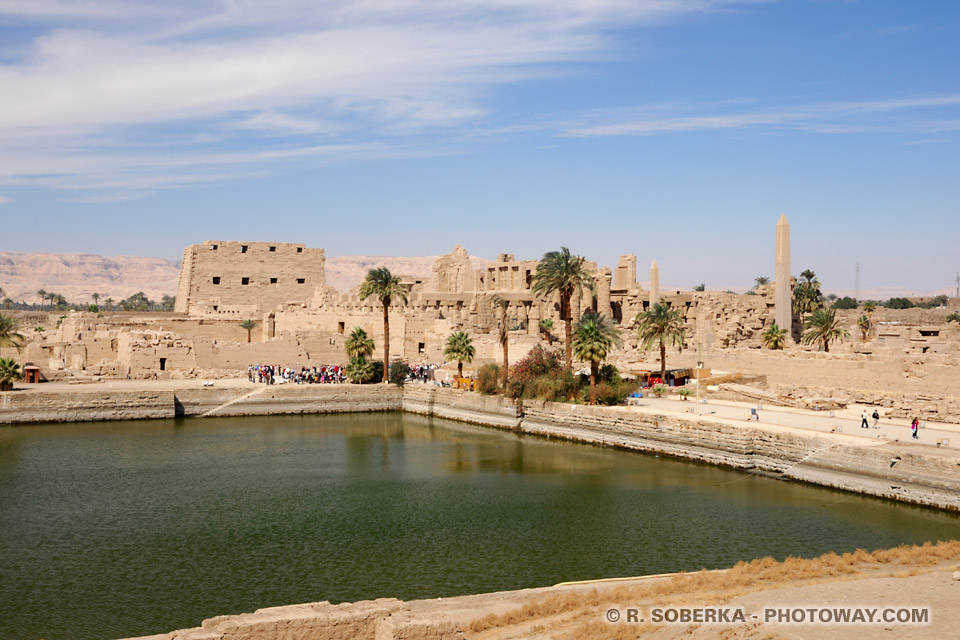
column 672, row 129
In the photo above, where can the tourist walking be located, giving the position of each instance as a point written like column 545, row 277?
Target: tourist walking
column 863, row 420
column 915, row 426
column 876, row 419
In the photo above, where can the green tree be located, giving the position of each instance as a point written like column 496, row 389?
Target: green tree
column 954, row 317
column 137, row 302
column 661, row 326
column 869, row 307
column 502, row 307
column 760, row 281
column 398, row 372
column 863, row 323
column 564, row 273
column 460, row 348
column 43, row 297
column 822, row 327
column 167, row 302
column 249, row 325
column 807, row 297
column 359, row 344
column 845, row 302
column 386, row 288
column 898, row 303
column 774, row 337
column 359, row 370
column 96, row 297
column 546, row 326
column 10, row 335
column 593, row 339
column 108, row 303
column 700, row 287
column 9, row 373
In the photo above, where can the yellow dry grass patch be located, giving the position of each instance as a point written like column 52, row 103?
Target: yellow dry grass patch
column 715, row 586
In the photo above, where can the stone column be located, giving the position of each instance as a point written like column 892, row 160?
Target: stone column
column 782, row 293
column 654, row 284
column 575, row 304
column 269, row 326
column 603, row 292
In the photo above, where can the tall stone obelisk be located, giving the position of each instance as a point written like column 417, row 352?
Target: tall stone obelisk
column 654, row 283
column 783, row 295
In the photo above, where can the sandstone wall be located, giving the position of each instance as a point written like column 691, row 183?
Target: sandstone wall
column 245, row 279
column 83, row 406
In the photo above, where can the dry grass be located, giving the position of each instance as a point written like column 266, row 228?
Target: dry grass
column 743, row 577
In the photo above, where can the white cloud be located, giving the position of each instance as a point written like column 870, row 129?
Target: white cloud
column 348, row 73
column 899, row 115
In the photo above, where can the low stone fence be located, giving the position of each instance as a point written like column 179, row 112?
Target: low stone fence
column 82, row 406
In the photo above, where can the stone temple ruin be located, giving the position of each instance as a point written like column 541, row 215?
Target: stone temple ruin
column 302, row 321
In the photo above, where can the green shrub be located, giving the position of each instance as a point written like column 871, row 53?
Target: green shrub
column 488, row 378
column 377, row 370
column 398, row 372
column 609, row 374
column 359, row 370
column 659, row 390
column 898, row 303
column 845, row 302
column 684, row 393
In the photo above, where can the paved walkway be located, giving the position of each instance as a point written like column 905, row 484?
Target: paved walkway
column 889, row 431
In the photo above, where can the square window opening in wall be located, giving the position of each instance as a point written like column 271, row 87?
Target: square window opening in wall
column 301, row 280
column 273, row 248
column 421, row 347
column 244, row 280
column 213, row 247
column 216, row 279
column 299, row 249
column 243, row 248
column 341, row 327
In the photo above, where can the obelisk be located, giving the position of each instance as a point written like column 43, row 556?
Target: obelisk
column 654, row 284
column 782, row 292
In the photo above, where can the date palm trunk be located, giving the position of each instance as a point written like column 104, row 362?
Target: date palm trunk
column 567, row 329
column 386, row 340
column 663, row 362
column 593, row 382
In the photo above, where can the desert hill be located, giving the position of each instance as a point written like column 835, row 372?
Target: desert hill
column 77, row 276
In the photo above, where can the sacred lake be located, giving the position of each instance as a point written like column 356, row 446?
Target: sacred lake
column 128, row 528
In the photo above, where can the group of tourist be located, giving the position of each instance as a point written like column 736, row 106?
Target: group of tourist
column 864, row 424
column 274, row 374
column 333, row 373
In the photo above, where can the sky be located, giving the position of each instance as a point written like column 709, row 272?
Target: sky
column 676, row 130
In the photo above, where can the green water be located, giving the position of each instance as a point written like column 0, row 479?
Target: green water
column 116, row 529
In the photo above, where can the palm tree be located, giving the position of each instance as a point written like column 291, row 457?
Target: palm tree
column 95, row 296
column 9, row 373
column 700, row 287
column 385, row 287
column 806, row 295
column 563, row 273
column 822, row 327
column 43, row 296
column 359, row 370
column 546, row 326
column 774, row 337
column 503, row 334
column 593, row 339
column 662, row 325
column 460, row 348
column 869, row 307
column 359, row 344
column 249, row 325
column 761, row 280
column 108, row 303
column 10, row 335
column 863, row 322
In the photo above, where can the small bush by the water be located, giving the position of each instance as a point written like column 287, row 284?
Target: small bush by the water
column 398, row 372
column 488, row 379
column 377, row 370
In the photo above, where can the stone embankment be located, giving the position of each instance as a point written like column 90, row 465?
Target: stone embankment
column 907, row 473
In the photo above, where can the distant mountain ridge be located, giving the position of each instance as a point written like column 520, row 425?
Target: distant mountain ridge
column 77, row 276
